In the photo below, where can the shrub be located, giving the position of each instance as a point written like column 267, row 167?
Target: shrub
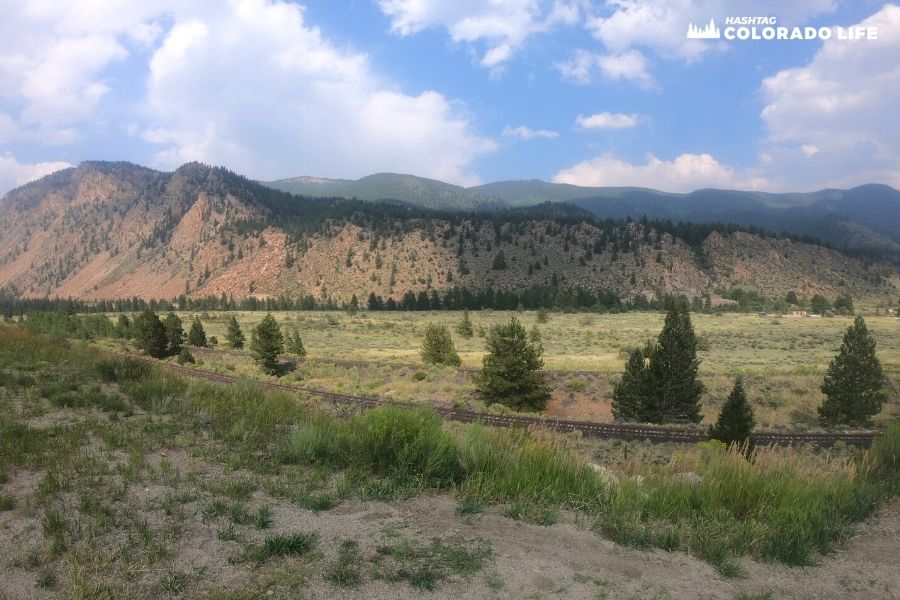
column 185, row 357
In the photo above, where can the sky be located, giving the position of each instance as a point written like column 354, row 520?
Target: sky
column 587, row 92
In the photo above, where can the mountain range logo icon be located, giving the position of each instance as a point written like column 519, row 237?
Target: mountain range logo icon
column 710, row 32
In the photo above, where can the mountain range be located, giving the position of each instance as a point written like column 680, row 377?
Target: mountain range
column 118, row 230
column 864, row 219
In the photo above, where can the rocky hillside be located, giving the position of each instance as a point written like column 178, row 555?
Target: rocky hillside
column 114, row 230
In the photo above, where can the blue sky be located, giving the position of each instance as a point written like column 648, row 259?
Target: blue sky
column 575, row 91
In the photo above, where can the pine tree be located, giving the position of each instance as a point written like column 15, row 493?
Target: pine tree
column 266, row 343
column 736, row 422
column 234, row 335
column 534, row 336
column 174, row 334
column 854, row 385
column 674, row 388
column 150, row 334
column 464, row 327
column 123, row 327
column 631, row 394
column 437, row 346
column 511, row 371
column 197, row 335
column 294, row 343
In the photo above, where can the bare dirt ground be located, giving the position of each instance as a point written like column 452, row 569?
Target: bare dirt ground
column 565, row 560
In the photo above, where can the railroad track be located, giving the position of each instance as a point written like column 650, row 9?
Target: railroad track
column 622, row 431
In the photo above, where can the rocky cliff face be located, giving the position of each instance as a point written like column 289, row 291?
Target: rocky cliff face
column 114, row 230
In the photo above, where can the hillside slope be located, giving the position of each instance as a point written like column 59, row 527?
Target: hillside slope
column 114, row 230
column 418, row 191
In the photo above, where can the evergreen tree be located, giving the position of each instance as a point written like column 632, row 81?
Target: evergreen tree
column 266, row 343
column 353, row 307
column 631, row 394
column 499, row 261
column 854, row 385
column 819, row 304
column 150, row 334
column 174, row 334
column 511, row 371
column 543, row 316
column 234, row 335
column 123, row 327
column 464, row 327
column 197, row 335
column 534, row 336
column 736, row 422
column 437, row 346
column 674, row 388
column 294, row 343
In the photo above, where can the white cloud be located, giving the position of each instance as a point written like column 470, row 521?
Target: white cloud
column 661, row 24
column 53, row 59
column 630, row 65
column 13, row 173
column 252, row 86
column 630, row 30
column 501, row 26
column 608, row 120
column 831, row 122
column 687, row 172
column 526, row 133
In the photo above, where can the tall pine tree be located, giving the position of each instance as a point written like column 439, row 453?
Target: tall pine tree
column 174, row 333
column 234, row 335
column 736, row 422
column 854, row 385
column 631, row 393
column 266, row 343
column 197, row 335
column 674, row 388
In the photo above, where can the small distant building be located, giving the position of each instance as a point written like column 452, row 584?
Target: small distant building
column 798, row 313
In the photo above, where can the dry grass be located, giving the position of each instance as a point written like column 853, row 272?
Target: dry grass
column 782, row 359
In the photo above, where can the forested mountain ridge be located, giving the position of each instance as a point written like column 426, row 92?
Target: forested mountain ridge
column 116, row 230
column 863, row 220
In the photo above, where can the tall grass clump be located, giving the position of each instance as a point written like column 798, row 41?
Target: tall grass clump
column 401, row 444
column 503, row 466
column 881, row 462
column 310, row 441
column 775, row 507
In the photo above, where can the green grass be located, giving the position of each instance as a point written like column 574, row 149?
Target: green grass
column 784, row 505
column 298, row 543
column 423, row 566
column 346, row 568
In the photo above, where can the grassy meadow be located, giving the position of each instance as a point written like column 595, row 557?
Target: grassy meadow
column 782, row 359
column 118, row 479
